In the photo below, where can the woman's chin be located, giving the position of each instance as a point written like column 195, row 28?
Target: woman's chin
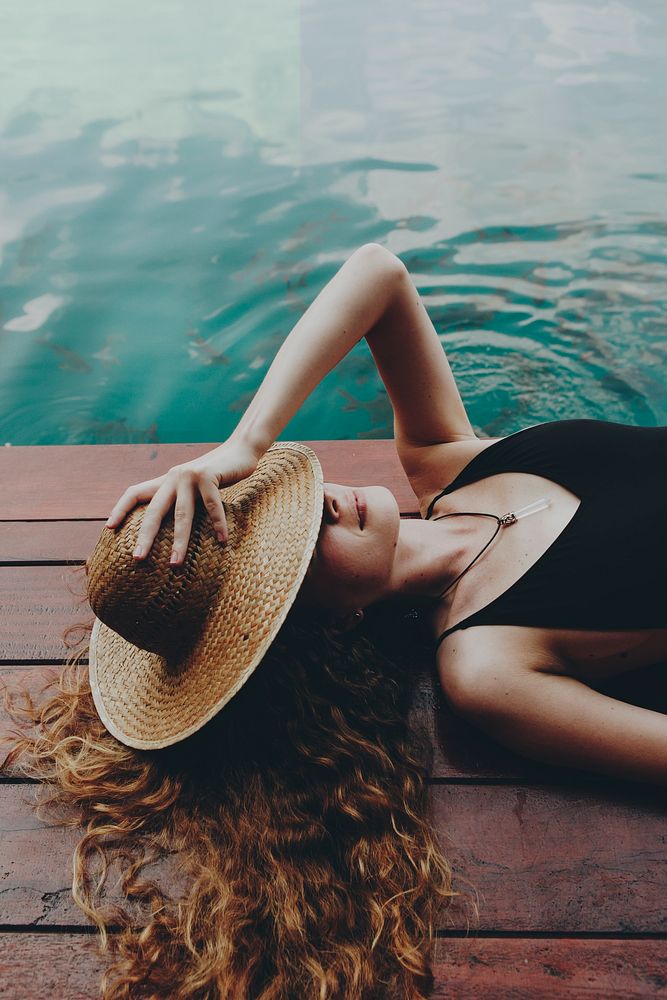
column 379, row 499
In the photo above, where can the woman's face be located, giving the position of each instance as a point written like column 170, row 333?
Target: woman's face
column 355, row 550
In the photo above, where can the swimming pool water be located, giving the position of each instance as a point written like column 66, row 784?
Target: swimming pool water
column 176, row 186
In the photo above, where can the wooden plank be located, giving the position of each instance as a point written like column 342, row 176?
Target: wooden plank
column 552, row 860
column 67, row 966
column 48, row 541
column 84, row 481
column 36, row 867
column 459, row 750
column 37, row 604
column 50, row 966
column 562, row 968
column 587, row 858
column 73, row 541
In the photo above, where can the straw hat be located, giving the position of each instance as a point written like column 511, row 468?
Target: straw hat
column 171, row 645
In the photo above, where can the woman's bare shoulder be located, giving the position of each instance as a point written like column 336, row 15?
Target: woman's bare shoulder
column 499, row 647
column 430, row 468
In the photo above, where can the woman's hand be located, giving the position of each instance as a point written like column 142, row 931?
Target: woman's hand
column 346, row 309
column 227, row 464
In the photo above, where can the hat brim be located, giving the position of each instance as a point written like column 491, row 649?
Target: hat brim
column 149, row 703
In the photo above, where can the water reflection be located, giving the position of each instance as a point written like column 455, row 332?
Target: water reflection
column 167, row 215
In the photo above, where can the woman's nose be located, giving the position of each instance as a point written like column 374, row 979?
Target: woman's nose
column 331, row 508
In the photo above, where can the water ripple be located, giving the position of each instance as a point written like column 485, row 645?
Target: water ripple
column 574, row 311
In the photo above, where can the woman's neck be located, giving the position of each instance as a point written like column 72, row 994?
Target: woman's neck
column 430, row 555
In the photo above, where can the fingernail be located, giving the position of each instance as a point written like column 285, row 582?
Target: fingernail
column 174, row 557
column 221, row 537
column 138, row 552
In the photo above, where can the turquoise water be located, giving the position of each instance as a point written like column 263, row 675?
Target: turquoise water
column 177, row 184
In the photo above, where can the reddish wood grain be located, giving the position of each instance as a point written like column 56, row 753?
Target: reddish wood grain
column 49, row 541
column 52, row 541
column 569, row 859
column 562, row 969
column 37, row 604
column 33, row 617
column 459, row 750
column 67, row 966
column 553, row 860
column 50, row 967
column 84, row 481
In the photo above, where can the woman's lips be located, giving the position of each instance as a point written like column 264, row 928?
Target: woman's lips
column 361, row 508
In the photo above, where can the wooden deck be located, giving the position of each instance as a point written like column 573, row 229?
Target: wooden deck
column 570, row 870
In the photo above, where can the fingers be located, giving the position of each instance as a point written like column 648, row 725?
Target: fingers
column 181, row 484
column 130, row 498
column 188, row 487
column 183, row 515
column 210, row 494
column 184, row 486
column 152, row 519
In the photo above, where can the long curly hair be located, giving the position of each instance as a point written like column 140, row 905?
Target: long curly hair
column 297, row 821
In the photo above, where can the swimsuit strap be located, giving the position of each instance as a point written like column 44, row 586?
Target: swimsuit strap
column 445, row 634
column 433, row 503
column 473, row 513
column 501, row 523
column 510, row 518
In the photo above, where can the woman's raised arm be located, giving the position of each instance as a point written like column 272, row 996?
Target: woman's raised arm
column 344, row 311
column 374, row 296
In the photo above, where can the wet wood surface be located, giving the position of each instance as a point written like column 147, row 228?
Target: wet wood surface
column 569, row 870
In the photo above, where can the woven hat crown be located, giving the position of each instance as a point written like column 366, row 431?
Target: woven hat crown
column 154, row 605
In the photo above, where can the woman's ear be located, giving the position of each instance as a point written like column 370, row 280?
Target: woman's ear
column 350, row 621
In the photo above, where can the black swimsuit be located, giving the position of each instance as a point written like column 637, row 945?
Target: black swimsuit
column 607, row 569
